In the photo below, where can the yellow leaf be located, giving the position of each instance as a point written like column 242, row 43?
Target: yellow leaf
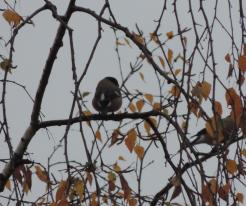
column 98, row 136
column 231, row 166
column 140, row 104
column 240, row 197
column 12, row 17
column 42, row 175
column 170, row 55
column 169, row 35
column 79, row 188
column 139, row 150
column 117, row 167
column 149, row 97
column 161, row 61
column 8, row 185
column 133, row 202
column 242, row 63
column 130, row 141
column 132, row 107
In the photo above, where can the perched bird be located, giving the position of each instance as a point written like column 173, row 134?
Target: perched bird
column 107, row 96
column 227, row 131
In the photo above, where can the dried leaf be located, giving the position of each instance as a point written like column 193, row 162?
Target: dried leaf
column 231, row 166
column 218, row 108
column 6, row 65
column 154, row 37
column 138, row 38
column 156, row 106
column 130, row 141
column 133, row 202
column 121, row 158
column 125, row 187
column 243, row 152
column 140, row 104
column 240, row 197
column 132, row 107
column 141, row 76
column 61, row 191
column 79, row 188
column 170, row 55
column 98, row 136
column 8, row 185
column 117, row 168
column 177, row 71
column 114, row 137
column 89, row 177
column 12, row 17
column 149, row 97
column 228, row 58
column 242, row 63
column 175, row 91
column 161, row 61
column 205, row 89
column 169, row 34
column 42, row 175
column 139, row 150
column 119, row 43
column 176, row 192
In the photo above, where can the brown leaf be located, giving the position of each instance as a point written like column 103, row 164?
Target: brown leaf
column 114, row 137
column 139, row 150
column 228, row 58
column 8, row 185
column 61, row 191
column 130, row 141
column 125, row 187
column 12, row 17
column 161, row 61
column 79, row 188
column 231, row 166
column 242, row 63
column 240, row 197
column 175, row 91
column 132, row 107
column 89, row 177
column 41, row 174
column 218, row 108
column 170, row 55
column 169, row 34
column 98, row 136
column 138, row 38
column 133, row 202
column 224, row 191
column 149, row 97
column 205, row 89
column 176, row 192
column 141, row 76
column 6, row 65
column 140, row 104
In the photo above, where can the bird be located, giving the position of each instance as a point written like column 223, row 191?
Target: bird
column 227, row 132
column 107, row 96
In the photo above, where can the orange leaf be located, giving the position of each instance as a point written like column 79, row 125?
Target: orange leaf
column 169, row 35
column 132, row 107
column 12, row 17
column 240, row 197
column 170, row 55
column 242, row 63
column 228, row 58
column 231, row 166
column 149, row 97
column 139, row 150
column 8, row 185
column 130, row 141
column 94, row 200
column 177, row 71
column 98, row 135
column 125, row 187
column 63, row 202
column 42, row 175
column 205, row 89
column 140, row 104
column 61, row 191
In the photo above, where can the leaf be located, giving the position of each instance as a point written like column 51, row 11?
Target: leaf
column 149, row 97
column 63, row 202
column 139, row 150
column 218, row 108
column 130, row 141
column 132, row 107
column 242, row 63
column 89, row 177
column 156, row 106
column 224, row 191
column 141, row 76
column 114, row 137
column 111, row 176
column 6, row 65
column 140, row 104
column 205, row 89
column 176, row 192
column 121, row 158
column 175, row 91
column 243, row 152
column 98, row 136
column 177, row 71
column 169, row 34
column 154, row 37
column 117, row 167
column 94, row 200
column 228, row 58
column 231, row 166
column 161, row 61
column 240, row 197
column 138, row 38
column 206, row 193
column 8, row 185
column 61, row 191
column 125, row 187
column 170, row 55
column 41, row 174
column 79, row 188
column 133, row 202
column 147, row 126
column 12, row 17
column 213, row 185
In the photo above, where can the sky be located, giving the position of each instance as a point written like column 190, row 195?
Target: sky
column 31, row 50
